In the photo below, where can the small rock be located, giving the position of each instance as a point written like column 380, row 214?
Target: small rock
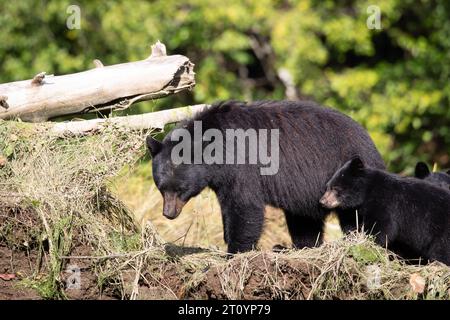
column 7, row 276
column 417, row 283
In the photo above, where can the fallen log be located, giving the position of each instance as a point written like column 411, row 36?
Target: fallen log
column 104, row 87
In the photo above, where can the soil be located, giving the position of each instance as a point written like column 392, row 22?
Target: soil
column 19, row 259
column 22, row 258
column 294, row 276
column 18, row 264
column 21, row 265
column 80, row 281
column 19, row 227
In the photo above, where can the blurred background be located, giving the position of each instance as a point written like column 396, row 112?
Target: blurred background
column 392, row 78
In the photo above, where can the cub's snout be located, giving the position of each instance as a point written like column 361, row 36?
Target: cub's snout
column 330, row 199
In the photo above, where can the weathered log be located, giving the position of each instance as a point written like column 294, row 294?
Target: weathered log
column 104, row 87
column 153, row 120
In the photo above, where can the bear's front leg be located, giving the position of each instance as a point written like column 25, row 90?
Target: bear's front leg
column 349, row 220
column 225, row 224
column 243, row 225
column 305, row 231
column 439, row 251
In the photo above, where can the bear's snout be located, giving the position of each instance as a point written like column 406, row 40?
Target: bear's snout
column 172, row 205
column 329, row 199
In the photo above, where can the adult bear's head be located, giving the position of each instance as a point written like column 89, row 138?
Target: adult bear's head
column 177, row 182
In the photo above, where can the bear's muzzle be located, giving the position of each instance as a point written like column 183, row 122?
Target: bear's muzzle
column 172, row 205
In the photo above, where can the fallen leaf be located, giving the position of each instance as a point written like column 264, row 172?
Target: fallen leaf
column 417, row 283
column 7, row 276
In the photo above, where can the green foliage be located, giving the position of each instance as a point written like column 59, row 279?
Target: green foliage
column 46, row 287
column 125, row 243
column 394, row 81
column 366, row 255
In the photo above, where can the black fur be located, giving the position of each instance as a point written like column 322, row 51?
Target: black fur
column 398, row 210
column 441, row 179
column 314, row 142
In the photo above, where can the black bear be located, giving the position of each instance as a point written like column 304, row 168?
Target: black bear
column 397, row 210
column 438, row 178
column 307, row 144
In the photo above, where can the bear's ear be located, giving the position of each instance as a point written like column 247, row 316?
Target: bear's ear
column 154, row 146
column 448, row 172
column 421, row 170
column 356, row 164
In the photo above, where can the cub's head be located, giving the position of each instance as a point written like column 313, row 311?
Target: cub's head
column 177, row 182
column 346, row 189
column 441, row 179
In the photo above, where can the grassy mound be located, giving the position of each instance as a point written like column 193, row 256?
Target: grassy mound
column 53, row 197
column 65, row 234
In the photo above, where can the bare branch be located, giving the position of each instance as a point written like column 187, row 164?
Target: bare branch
column 3, row 102
column 155, row 120
column 98, row 63
column 158, row 50
column 38, row 79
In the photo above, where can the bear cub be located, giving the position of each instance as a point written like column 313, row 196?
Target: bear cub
column 396, row 209
column 441, row 179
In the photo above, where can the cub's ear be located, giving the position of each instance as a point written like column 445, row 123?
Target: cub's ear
column 356, row 164
column 421, row 170
column 448, row 172
column 153, row 145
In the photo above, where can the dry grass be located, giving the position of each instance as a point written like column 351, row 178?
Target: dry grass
column 63, row 182
column 68, row 189
column 350, row 268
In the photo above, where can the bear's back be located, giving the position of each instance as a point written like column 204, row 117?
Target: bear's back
column 305, row 129
column 314, row 142
column 412, row 201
